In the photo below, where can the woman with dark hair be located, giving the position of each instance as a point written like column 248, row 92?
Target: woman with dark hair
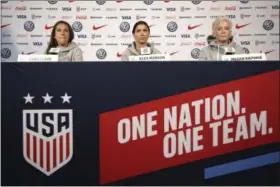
column 141, row 34
column 62, row 37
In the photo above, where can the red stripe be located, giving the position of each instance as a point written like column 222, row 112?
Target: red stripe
column 35, row 149
column 48, row 156
column 67, row 144
column 54, row 153
column 28, row 145
column 61, row 148
column 41, row 153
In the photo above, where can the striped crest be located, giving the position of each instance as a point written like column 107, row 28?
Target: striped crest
column 48, row 138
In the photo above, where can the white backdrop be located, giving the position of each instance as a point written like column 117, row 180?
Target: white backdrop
column 177, row 27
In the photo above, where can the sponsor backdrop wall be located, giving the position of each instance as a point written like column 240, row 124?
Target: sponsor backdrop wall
column 103, row 28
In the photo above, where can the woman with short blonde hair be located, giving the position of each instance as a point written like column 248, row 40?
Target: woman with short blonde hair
column 220, row 39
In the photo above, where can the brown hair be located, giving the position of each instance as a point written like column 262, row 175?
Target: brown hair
column 140, row 23
column 53, row 42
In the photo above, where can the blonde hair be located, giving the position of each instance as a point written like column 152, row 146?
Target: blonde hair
column 218, row 20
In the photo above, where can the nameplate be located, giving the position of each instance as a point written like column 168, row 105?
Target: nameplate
column 157, row 57
column 244, row 57
column 37, row 58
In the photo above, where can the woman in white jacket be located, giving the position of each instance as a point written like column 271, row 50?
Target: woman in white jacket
column 220, row 39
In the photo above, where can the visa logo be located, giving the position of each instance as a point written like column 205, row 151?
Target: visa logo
column 185, row 36
column 37, row 43
column 171, row 9
column 126, row 17
column 245, row 42
column 82, row 36
column 66, row 8
column 275, row 6
column 21, row 16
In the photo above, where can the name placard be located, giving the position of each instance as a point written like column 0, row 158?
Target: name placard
column 157, row 57
column 37, row 58
column 244, row 57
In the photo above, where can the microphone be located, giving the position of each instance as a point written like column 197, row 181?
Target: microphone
column 145, row 51
column 225, row 50
column 54, row 50
column 229, row 51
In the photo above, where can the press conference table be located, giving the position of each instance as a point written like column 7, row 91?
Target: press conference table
column 89, row 89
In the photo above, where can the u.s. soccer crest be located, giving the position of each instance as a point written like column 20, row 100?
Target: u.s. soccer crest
column 47, row 135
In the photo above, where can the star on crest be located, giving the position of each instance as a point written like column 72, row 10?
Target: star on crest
column 47, row 98
column 66, row 98
column 28, row 98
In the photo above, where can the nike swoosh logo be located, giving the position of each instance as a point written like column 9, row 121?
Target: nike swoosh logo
column 119, row 55
column 48, row 27
column 241, row 26
column 28, row 53
column 2, row 26
column 193, row 27
column 267, row 52
column 99, row 27
column 174, row 53
column 151, row 25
